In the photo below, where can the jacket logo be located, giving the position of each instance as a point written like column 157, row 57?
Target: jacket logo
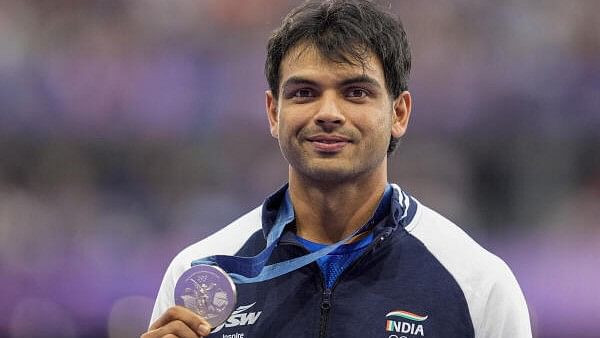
column 405, row 322
column 240, row 317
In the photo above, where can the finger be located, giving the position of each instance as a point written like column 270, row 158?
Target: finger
column 178, row 329
column 157, row 333
column 191, row 319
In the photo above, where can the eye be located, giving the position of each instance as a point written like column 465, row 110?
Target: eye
column 357, row 93
column 304, row 92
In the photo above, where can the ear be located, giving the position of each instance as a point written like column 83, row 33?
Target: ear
column 271, row 106
column 401, row 108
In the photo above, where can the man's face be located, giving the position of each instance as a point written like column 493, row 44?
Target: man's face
column 334, row 120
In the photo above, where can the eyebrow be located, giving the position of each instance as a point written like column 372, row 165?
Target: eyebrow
column 361, row 79
column 299, row 80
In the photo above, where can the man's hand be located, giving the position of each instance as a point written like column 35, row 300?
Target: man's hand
column 178, row 322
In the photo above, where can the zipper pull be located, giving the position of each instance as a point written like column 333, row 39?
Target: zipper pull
column 326, row 303
column 383, row 237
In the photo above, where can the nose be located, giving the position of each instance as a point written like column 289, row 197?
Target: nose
column 330, row 115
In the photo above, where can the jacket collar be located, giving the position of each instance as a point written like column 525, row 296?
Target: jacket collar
column 278, row 208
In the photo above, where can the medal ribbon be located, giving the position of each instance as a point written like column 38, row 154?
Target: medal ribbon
column 243, row 270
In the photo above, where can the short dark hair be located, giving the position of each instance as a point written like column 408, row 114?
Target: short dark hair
column 344, row 31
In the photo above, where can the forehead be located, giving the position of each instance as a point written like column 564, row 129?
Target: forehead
column 305, row 60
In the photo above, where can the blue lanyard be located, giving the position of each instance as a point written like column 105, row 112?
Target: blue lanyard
column 243, row 270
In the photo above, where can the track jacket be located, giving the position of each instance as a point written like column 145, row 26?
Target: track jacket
column 422, row 276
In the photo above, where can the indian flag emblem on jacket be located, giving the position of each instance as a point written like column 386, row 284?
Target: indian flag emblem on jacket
column 405, row 322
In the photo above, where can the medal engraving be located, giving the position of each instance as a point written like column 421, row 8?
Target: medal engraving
column 208, row 291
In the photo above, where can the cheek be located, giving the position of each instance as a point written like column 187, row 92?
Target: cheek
column 287, row 131
column 291, row 122
column 373, row 122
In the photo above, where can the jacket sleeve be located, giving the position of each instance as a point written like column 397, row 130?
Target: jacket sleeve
column 166, row 294
column 505, row 313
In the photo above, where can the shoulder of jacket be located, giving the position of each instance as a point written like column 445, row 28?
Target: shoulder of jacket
column 480, row 274
column 448, row 242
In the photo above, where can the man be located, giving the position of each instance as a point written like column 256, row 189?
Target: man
column 338, row 104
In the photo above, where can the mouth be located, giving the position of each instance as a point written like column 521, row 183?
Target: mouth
column 328, row 143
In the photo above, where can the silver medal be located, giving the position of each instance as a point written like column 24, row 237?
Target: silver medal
column 208, row 291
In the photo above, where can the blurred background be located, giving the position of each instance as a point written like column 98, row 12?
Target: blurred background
column 130, row 129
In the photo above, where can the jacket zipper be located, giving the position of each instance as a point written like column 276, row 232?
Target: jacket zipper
column 326, row 300
column 325, row 306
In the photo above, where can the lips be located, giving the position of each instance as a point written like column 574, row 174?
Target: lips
column 328, row 143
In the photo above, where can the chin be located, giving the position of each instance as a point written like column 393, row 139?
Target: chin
column 330, row 174
column 332, row 170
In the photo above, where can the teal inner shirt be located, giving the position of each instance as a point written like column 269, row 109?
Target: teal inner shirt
column 333, row 264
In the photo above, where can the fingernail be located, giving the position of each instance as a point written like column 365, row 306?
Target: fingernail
column 203, row 330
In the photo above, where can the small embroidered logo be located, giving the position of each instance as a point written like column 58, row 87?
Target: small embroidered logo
column 240, row 317
column 395, row 323
column 406, row 315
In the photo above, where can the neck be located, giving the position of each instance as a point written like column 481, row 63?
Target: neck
column 327, row 213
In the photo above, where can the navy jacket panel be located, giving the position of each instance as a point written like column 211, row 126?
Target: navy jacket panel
column 401, row 275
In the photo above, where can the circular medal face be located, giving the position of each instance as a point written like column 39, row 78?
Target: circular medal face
column 208, row 291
